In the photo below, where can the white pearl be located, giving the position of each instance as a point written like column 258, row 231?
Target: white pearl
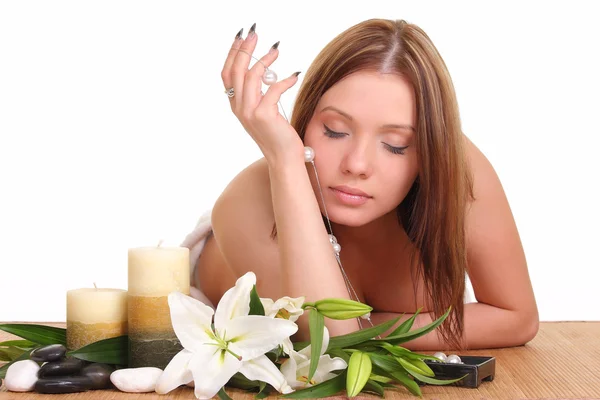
column 332, row 239
column 309, row 154
column 269, row 77
column 337, row 248
column 453, row 359
column 366, row 316
column 440, row 355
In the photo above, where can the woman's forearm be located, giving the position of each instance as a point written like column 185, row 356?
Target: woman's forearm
column 308, row 264
column 486, row 327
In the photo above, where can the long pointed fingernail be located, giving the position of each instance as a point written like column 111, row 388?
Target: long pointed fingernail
column 297, row 73
column 275, row 46
column 252, row 29
column 239, row 34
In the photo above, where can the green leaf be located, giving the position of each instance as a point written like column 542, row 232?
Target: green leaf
column 241, row 382
column 374, row 387
column 416, row 366
column 316, row 325
column 40, row 334
column 4, row 368
column 406, row 381
column 406, row 353
column 362, row 335
column 108, row 351
column 406, row 325
column 264, row 390
column 222, row 395
column 386, row 363
column 337, row 352
column 11, row 353
column 359, row 371
column 405, row 337
column 23, row 344
column 433, row 381
column 324, row 389
column 388, row 366
column 256, row 307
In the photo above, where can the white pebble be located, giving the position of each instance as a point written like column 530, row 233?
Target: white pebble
column 22, row 376
column 136, row 380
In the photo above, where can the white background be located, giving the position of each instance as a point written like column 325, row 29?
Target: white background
column 115, row 131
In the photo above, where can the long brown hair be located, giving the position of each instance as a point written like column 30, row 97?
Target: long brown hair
column 433, row 212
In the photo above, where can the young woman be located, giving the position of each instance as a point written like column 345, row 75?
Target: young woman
column 413, row 203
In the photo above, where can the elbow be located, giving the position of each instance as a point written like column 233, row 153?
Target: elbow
column 528, row 328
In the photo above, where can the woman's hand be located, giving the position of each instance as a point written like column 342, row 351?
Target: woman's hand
column 259, row 114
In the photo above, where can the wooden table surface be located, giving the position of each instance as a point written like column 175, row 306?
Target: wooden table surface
column 563, row 361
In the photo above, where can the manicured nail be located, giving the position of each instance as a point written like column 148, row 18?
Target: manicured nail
column 252, row 29
column 297, row 73
column 275, row 46
column 239, row 34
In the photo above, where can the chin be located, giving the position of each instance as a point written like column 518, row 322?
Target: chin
column 350, row 217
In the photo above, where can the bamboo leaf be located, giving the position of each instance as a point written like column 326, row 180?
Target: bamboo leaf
column 256, row 307
column 4, row 368
column 108, row 351
column 405, row 337
column 39, row 334
column 406, row 325
column 11, row 353
column 23, row 344
column 324, row 389
column 316, row 325
column 434, row 381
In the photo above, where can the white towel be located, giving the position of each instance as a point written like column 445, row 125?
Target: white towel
column 196, row 240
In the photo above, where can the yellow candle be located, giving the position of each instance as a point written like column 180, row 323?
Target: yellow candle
column 95, row 314
column 154, row 272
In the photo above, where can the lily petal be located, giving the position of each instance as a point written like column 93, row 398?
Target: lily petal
column 306, row 351
column 191, row 320
column 263, row 369
column 212, row 368
column 293, row 307
column 289, row 368
column 326, row 365
column 254, row 335
column 176, row 373
column 235, row 302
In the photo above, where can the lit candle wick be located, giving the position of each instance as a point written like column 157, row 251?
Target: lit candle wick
column 95, row 287
column 159, row 243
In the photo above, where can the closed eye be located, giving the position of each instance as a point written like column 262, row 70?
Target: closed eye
column 333, row 134
column 395, row 150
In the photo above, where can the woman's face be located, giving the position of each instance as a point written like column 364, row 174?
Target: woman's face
column 363, row 133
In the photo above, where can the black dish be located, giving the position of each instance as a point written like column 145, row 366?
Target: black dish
column 477, row 369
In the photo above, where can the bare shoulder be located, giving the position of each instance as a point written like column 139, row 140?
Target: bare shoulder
column 242, row 221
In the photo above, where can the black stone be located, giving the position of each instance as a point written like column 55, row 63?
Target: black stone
column 53, row 352
column 99, row 375
column 63, row 384
column 68, row 366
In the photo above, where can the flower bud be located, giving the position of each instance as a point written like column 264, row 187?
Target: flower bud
column 342, row 308
column 359, row 371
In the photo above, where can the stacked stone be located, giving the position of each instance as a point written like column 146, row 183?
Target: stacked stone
column 58, row 373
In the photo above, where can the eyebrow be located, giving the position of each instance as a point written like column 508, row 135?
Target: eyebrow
column 349, row 117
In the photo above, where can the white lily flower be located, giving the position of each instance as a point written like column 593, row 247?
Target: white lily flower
column 296, row 368
column 287, row 308
column 237, row 343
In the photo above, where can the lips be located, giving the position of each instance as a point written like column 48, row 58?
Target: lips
column 351, row 191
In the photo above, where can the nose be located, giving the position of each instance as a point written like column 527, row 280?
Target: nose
column 358, row 159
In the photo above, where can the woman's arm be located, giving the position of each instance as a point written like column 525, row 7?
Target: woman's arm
column 506, row 312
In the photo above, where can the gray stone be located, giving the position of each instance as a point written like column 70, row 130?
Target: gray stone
column 68, row 366
column 63, row 384
column 99, row 374
column 53, row 352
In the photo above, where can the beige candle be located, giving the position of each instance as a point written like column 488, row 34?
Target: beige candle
column 154, row 272
column 94, row 314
